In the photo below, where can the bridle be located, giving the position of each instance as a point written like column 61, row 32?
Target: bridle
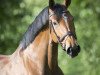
column 69, row 33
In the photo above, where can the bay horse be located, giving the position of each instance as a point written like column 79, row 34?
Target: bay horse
column 37, row 53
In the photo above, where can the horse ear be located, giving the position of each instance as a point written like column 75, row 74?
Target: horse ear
column 67, row 3
column 51, row 3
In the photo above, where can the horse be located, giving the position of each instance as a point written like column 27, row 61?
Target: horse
column 37, row 53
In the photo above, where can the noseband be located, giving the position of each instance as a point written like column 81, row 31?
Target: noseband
column 69, row 33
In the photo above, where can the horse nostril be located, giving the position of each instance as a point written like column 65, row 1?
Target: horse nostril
column 69, row 50
column 78, row 48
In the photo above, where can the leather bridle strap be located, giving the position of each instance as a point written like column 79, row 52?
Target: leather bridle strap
column 58, row 38
column 69, row 33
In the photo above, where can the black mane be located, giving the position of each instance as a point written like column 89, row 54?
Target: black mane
column 41, row 20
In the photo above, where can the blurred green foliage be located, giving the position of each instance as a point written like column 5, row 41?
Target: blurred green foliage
column 16, row 15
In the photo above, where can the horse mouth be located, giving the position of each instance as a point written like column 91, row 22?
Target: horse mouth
column 73, row 55
column 72, row 51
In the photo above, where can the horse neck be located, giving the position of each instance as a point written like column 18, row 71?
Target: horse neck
column 43, row 51
column 47, row 50
column 38, row 48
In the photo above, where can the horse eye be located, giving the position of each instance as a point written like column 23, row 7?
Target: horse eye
column 54, row 23
column 64, row 14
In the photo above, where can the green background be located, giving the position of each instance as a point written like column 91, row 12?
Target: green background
column 17, row 15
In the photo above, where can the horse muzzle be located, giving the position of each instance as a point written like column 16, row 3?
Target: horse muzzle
column 72, row 51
